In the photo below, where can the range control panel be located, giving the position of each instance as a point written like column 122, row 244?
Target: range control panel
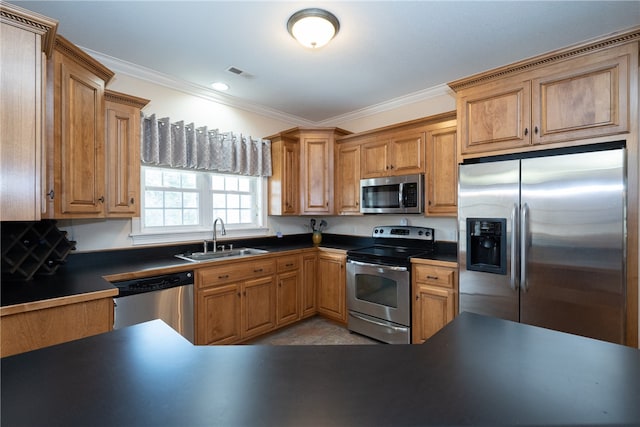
column 403, row 232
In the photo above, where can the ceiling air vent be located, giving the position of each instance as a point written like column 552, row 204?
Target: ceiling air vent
column 239, row 72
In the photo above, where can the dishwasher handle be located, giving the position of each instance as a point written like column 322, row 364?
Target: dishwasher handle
column 154, row 283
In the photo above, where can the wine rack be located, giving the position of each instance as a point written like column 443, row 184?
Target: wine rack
column 30, row 248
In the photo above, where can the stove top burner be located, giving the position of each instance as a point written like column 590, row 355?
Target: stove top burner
column 395, row 245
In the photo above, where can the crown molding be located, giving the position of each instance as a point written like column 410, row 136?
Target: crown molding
column 392, row 104
column 155, row 77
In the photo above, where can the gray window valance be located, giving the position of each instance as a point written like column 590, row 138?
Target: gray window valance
column 183, row 146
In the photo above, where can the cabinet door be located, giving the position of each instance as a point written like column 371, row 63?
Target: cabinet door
column 316, row 152
column 290, row 182
column 309, row 275
column 442, row 172
column 348, row 180
column 79, row 156
column 331, row 286
column 433, row 308
column 123, row 160
column 375, row 159
column 495, row 117
column 21, row 124
column 259, row 306
column 288, row 297
column 218, row 315
column 407, row 153
column 582, row 98
column 284, row 182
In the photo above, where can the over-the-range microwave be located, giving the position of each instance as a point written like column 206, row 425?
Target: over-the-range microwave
column 394, row 194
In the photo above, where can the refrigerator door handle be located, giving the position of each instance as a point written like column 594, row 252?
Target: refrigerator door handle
column 513, row 282
column 524, row 243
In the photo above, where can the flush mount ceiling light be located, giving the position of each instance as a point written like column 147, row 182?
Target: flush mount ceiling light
column 313, row 27
column 220, row 86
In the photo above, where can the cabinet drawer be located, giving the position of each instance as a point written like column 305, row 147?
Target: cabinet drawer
column 234, row 272
column 436, row 276
column 288, row 263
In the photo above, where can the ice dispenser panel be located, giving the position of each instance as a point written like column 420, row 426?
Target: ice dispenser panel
column 487, row 245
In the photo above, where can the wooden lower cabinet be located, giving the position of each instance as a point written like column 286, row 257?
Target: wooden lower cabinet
column 435, row 294
column 36, row 329
column 218, row 315
column 309, row 284
column 289, row 290
column 331, row 285
column 257, row 306
column 235, row 301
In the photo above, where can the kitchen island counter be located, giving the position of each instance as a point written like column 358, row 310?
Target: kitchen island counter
column 477, row 370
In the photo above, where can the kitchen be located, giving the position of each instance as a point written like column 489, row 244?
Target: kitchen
column 89, row 233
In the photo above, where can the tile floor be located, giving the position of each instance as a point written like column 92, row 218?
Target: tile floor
column 313, row 331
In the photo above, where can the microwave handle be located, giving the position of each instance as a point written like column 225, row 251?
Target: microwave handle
column 401, row 195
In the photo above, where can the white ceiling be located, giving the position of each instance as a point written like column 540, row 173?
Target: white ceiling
column 385, row 50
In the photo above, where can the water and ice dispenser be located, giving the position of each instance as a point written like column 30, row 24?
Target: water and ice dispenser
column 487, row 245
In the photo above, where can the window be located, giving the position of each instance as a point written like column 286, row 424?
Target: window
column 184, row 201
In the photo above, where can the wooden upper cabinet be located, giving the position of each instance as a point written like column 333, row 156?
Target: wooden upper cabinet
column 495, row 117
column 396, row 153
column 567, row 97
column 442, row 170
column 76, row 87
column 583, row 98
column 25, row 42
column 284, row 183
column 348, row 179
column 123, row 153
column 303, row 166
column 316, row 152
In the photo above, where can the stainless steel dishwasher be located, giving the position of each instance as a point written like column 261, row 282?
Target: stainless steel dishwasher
column 168, row 297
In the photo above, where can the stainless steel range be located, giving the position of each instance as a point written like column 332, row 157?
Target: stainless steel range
column 379, row 282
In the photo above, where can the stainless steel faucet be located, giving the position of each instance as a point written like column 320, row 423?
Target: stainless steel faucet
column 223, row 232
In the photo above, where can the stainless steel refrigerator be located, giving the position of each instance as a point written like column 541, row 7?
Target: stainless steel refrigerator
column 542, row 241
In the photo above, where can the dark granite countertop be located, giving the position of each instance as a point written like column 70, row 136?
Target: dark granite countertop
column 84, row 272
column 476, row 371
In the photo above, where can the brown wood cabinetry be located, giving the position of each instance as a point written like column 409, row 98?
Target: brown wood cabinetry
column 309, row 286
column 348, row 179
column 564, row 101
column 123, row 153
column 396, row 153
column 331, row 285
column 312, row 162
column 289, row 290
column 284, row 183
column 76, row 85
column 30, row 330
column 94, row 164
column 26, row 41
column 235, row 301
column 442, row 170
column 435, row 292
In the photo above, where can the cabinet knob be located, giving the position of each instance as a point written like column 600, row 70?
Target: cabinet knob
column 101, row 199
column 417, row 297
column 50, row 194
column 132, row 201
column 432, row 277
column 535, row 130
column 526, row 131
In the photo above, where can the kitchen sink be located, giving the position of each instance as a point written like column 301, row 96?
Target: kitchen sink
column 223, row 254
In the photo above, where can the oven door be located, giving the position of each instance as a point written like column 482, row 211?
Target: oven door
column 380, row 291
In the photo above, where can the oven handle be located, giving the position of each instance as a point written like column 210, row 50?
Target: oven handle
column 386, row 267
column 394, row 328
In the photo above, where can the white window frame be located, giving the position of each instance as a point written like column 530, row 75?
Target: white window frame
column 142, row 235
